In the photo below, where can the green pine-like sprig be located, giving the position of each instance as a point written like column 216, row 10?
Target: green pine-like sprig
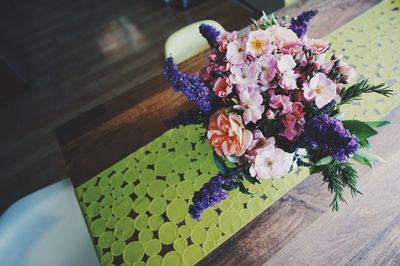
column 355, row 91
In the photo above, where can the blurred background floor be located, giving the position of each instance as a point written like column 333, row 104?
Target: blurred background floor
column 74, row 56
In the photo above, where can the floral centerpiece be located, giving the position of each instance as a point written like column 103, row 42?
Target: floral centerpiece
column 270, row 101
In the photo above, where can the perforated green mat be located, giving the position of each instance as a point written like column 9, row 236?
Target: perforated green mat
column 136, row 210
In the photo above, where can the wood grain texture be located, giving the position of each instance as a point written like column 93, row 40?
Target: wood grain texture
column 79, row 55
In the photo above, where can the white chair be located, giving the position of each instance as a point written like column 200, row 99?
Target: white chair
column 188, row 41
column 46, row 228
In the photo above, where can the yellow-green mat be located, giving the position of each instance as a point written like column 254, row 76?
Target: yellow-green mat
column 136, row 210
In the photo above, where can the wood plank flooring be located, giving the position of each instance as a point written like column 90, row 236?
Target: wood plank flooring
column 77, row 56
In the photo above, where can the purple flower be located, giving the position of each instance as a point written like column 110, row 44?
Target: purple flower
column 329, row 136
column 190, row 85
column 300, row 23
column 210, row 33
column 209, row 195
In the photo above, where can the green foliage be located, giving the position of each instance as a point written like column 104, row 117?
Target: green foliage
column 377, row 123
column 362, row 160
column 340, row 176
column 355, row 91
column 265, row 21
column 324, row 161
column 361, row 129
column 223, row 169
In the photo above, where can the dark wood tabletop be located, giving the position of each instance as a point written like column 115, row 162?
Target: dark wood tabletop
column 107, row 133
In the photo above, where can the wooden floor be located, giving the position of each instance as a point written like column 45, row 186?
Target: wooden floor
column 79, row 54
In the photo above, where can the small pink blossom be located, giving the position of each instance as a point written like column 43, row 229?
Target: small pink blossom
column 321, row 89
column 348, row 71
column 244, row 75
column 316, row 46
column 293, row 128
column 269, row 68
column 288, row 77
column 269, row 114
column 250, row 101
column 222, row 87
column 224, row 39
column 236, row 51
column 259, row 43
column 281, row 102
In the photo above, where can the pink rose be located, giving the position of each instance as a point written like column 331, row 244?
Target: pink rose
column 224, row 39
column 270, row 162
column 293, row 128
column 269, row 68
column 259, row 142
column 316, row 46
column 348, row 71
column 281, row 102
column 222, row 87
column 251, row 102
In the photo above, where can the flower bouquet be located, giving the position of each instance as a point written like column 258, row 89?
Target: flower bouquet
column 270, row 101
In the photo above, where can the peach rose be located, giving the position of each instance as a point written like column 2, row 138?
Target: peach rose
column 227, row 134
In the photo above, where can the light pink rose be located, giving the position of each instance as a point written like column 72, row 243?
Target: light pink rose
column 236, row 51
column 270, row 162
column 245, row 75
column 320, row 89
column 281, row 102
column 282, row 37
column 269, row 68
column 227, row 134
column 317, row 46
column 259, row 142
column 250, row 101
column 259, row 43
column 222, row 87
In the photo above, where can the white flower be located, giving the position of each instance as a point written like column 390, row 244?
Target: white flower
column 320, row 89
column 270, row 162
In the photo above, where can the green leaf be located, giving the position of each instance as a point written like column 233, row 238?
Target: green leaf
column 324, row 161
column 364, row 143
column 229, row 187
column 249, row 178
column 362, row 160
column 377, row 123
column 370, row 156
column 223, row 169
column 315, row 169
column 361, row 129
column 244, row 190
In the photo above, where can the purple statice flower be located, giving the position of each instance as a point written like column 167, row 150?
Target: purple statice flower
column 300, row 23
column 209, row 195
column 190, row 85
column 329, row 136
column 210, row 34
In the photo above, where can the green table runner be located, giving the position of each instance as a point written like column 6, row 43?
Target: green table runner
column 136, row 210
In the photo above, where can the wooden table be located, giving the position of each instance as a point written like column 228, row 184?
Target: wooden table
column 301, row 227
